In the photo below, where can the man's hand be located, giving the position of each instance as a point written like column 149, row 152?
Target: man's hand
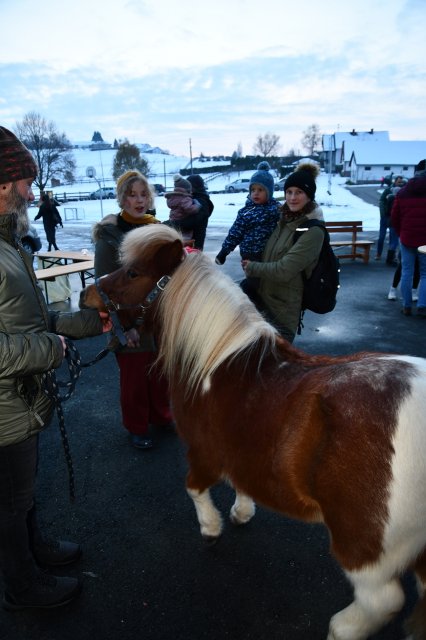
column 64, row 345
column 132, row 336
column 106, row 321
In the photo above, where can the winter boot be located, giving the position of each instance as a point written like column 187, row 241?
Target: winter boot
column 56, row 553
column 46, row 592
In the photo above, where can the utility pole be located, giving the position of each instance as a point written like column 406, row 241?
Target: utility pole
column 190, row 154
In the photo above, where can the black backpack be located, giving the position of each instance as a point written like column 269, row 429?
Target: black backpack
column 319, row 292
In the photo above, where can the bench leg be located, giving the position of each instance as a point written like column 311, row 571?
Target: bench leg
column 366, row 253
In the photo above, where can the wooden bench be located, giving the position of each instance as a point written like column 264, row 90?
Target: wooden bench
column 358, row 248
column 84, row 268
column 50, row 273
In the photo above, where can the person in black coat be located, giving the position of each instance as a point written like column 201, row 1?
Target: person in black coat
column 51, row 219
column 197, row 222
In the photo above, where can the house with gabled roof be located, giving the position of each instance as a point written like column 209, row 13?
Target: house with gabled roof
column 338, row 145
column 369, row 163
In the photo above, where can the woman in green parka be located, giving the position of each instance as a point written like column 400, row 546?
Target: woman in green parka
column 284, row 261
column 31, row 344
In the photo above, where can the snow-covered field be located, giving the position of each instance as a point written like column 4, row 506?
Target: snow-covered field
column 340, row 205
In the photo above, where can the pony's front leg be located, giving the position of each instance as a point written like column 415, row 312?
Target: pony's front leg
column 208, row 516
column 374, row 605
column 242, row 510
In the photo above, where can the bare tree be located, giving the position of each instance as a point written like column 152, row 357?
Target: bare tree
column 128, row 157
column 311, row 138
column 267, row 144
column 51, row 149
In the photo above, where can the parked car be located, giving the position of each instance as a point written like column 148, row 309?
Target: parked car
column 159, row 189
column 104, row 193
column 279, row 185
column 242, row 184
column 31, row 241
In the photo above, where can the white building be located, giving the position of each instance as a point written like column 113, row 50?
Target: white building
column 337, row 147
column 369, row 163
column 369, row 156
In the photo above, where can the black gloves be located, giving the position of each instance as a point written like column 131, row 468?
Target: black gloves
column 221, row 257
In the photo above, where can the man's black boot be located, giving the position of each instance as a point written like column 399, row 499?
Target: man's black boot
column 45, row 592
column 56, row 553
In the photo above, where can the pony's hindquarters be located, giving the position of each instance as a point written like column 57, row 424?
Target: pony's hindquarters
column 378, row 595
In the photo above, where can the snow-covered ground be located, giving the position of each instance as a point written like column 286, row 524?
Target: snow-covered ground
column 337, row 202
column 340, row 205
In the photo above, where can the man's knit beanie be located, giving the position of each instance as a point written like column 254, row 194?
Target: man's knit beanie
column 181, row 183
column 264, row 178
column 16, row 162
column 304, row 178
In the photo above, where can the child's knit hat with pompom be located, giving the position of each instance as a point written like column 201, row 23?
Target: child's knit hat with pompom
column 181, row 183
column 304, row 178
column 264, row 178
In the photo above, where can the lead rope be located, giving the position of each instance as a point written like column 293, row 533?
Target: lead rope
column 51, row 387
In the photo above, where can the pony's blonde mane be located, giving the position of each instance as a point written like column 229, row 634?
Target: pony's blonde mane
column 205, row 319
column 146, row 241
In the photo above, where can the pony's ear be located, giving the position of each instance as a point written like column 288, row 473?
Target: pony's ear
column 170, row 255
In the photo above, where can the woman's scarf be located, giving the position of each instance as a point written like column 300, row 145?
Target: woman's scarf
column 126, row 222
column 290, row 216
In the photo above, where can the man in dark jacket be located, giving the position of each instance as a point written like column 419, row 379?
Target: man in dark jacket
column 31, row 343
column 409, row 222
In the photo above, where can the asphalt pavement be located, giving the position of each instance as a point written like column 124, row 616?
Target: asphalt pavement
column 146, row 572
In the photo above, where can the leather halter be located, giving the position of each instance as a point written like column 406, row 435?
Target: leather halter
column 113, row 307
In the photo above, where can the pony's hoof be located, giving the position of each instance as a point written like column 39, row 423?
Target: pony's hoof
column 242, row 514
column 210, row 540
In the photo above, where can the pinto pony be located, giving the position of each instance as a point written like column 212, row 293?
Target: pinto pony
column 338, row 440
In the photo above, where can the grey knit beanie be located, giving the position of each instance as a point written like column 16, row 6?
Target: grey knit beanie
column 181, row 183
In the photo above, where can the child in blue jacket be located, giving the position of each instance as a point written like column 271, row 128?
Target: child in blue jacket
column 255, row 221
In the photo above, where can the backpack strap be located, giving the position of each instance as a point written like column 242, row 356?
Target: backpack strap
column 309, row 224
column 297, row 234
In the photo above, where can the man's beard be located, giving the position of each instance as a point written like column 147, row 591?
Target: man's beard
column 17, row 206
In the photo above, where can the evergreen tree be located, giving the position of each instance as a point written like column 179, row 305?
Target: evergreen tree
column 97, row 137
column 128, row 157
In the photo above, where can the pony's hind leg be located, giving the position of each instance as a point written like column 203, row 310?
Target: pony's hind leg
column 376, row 602
column 242, row 510
column 416, row 624
column 208, row 516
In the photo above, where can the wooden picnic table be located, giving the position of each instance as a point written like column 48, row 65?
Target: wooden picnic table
column 63, row 257
column 64, row 263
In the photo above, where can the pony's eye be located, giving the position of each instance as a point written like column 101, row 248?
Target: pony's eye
column 131, row 273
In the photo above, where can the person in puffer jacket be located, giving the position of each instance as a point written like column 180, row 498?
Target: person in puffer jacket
column 31, row 344
column 409, row 221
column 255, row 221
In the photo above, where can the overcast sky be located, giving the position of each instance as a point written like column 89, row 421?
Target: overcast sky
column 220, row 73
